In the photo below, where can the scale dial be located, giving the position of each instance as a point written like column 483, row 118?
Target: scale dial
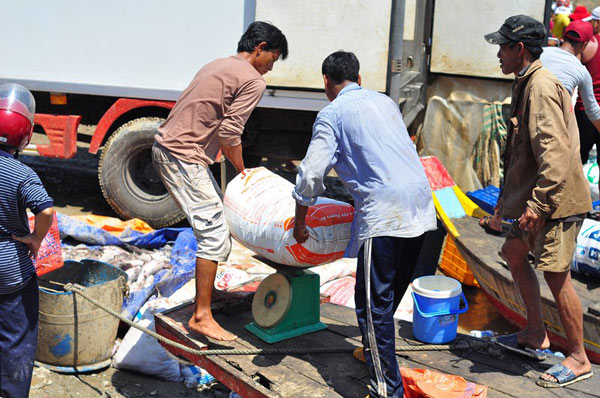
column 272, row 300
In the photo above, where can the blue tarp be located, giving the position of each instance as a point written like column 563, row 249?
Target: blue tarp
column 183, row 255
column 183, row 266
column 83, row 232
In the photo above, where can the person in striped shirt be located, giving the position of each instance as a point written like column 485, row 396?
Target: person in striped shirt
column 20, row 189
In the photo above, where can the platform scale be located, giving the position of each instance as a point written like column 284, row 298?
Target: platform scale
column 285, row 305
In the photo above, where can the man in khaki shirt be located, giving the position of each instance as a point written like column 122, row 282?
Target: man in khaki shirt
column 546, row 191
column 210, row 116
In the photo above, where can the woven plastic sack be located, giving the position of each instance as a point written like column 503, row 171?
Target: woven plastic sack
column 586, row 258
column 590, row 170
column 340, row 291
column 260, row 210
column 425, row 383
column 49, row 256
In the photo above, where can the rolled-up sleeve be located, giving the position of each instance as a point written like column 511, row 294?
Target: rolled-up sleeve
column 232, row 126
column 320, row 158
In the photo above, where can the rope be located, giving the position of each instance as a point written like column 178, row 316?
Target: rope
column 70, row 287
column 490, row 145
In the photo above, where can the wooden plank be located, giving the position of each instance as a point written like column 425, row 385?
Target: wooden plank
column 481, row 252
column 283, row 375
column 340, row 375
column 233, row 378
column 323, row 369
column 505, row 374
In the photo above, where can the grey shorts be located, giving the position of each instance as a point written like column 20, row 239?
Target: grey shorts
column 197, row 194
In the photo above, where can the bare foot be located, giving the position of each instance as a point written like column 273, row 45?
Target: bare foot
column 578, row 367
column 491, row 224
column 210, row 328
column 533, row 340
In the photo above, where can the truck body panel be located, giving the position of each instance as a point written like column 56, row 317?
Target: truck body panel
column 123, row 63
column 315, row 29
column 119, row 48
column 458, row 46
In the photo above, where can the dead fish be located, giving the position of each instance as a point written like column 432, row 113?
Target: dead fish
column 151, row 268
column 145, row 257
column 136, row 263
column 132, row 273
column 149, row 281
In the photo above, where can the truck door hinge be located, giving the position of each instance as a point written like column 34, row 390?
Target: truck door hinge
column 396, row 65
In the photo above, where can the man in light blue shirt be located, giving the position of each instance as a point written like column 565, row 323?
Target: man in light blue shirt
column 361, row 135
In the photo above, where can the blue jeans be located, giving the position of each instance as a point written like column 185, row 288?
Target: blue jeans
column 18, row 339
column 385, row 269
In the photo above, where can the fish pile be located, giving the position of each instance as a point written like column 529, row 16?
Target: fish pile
column 140, row 265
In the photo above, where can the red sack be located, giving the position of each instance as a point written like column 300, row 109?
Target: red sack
column 49, row 256
column 425, row 383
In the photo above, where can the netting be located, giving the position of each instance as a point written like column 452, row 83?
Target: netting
column 465, row 130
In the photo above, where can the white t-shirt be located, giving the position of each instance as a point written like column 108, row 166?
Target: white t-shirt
column 572, row 73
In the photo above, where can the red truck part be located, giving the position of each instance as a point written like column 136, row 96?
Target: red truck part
column 62, row 133
column 119, row 108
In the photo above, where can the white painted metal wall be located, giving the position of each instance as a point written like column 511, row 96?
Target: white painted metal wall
column 458, row 46
column 316, row 28
column 149, row 48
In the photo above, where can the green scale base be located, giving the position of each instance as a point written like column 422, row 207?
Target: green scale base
column 286, row 305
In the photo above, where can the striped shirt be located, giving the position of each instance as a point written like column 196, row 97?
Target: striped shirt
column 20, row 189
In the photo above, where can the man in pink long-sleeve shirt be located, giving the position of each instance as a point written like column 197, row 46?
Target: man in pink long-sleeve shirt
column 210, row 116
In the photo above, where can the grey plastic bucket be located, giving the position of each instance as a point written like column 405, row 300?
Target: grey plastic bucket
column 74, row 334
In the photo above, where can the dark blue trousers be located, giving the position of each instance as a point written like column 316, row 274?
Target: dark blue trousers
column 385, row 269
column 18, row 339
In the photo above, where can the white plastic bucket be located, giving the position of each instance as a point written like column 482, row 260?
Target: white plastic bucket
column 436, row 306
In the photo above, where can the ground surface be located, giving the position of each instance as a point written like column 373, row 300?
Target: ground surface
column 114, row 383
column 73, row 184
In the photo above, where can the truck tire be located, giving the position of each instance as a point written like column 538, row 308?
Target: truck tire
column 128, row 179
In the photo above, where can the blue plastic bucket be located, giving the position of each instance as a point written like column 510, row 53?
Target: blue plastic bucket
column 436, row 305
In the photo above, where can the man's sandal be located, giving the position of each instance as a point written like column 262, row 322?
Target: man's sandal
column 563, row 376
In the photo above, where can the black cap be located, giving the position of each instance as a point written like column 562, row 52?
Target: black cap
column 519, row 28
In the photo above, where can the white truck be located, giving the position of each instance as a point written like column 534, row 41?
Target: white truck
column 120, row 65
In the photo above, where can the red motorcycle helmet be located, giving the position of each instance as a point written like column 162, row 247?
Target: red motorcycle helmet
column 17, row 109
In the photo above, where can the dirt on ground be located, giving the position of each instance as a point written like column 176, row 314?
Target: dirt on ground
column 114, row 383
column 73, row 184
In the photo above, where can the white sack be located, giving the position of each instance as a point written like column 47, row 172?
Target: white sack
column 142, row 353
column 259, row 210
column 586, row 259
column 590, row 170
